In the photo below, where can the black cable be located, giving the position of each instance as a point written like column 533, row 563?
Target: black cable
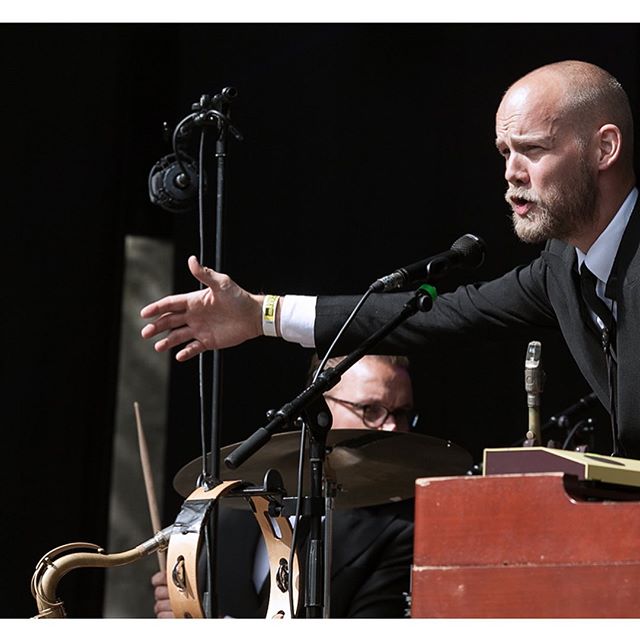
column 203, row 446
column 174, row 142
column 572, row 433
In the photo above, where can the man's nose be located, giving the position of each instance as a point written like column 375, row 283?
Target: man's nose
column 515, row 170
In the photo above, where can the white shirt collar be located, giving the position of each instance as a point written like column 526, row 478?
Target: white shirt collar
column 599, row 259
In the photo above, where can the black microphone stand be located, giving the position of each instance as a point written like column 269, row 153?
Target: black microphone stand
column 215, row 111
column 311, row 404
column 211, row 111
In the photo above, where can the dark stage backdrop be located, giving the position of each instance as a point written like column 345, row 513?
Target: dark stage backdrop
column 366, row 147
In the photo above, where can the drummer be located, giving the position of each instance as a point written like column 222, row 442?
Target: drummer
column 375, row 393
column 372, row 546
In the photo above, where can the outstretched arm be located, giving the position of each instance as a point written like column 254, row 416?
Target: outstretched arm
column 220, row 315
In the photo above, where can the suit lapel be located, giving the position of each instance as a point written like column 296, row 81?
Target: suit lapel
column 563, row 289
column 627, row 263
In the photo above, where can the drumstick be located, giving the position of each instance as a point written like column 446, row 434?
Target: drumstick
column 148, row 483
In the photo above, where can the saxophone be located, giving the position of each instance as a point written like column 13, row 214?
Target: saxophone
column 183, row 539
column 54, row 565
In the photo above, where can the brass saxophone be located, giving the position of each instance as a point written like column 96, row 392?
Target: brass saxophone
column 60, row 561
column 183, row 540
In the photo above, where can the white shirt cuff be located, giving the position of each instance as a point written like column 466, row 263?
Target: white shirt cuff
column 297, row 319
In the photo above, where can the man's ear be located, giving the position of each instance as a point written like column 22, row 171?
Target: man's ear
column 609, row 146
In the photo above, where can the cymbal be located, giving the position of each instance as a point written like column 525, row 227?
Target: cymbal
column 370, row 467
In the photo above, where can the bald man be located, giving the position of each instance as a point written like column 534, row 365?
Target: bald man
column 565, row 132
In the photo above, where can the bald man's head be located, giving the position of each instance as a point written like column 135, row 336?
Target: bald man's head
column 566, row 134
column 588, row 98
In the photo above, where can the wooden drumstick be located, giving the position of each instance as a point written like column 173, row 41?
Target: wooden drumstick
column 148, row 483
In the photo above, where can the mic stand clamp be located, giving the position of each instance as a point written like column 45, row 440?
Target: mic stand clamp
column 210, row 111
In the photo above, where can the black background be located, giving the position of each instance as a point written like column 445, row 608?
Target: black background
column 367, row 146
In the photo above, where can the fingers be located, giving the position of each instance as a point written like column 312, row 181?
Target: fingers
column 165, row 322
column 179, row 303
column 208, row 277
column 214, row 317
column 179, row 333
column 161, row 594
column 174, row 304
column 159, row 579
column 175, row 338
column 190, row 351
column 198, row 271
column 162, row 604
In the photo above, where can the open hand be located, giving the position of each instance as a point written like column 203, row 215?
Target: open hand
column 220, row 315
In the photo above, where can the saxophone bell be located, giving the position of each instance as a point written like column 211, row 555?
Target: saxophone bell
column 55, row 564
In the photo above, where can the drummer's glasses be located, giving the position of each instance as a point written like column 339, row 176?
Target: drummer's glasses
column 375, row 415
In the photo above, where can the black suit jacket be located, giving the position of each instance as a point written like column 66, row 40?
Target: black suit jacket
column 541, row 296
column 371, row 562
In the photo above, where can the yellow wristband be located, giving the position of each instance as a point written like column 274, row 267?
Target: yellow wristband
column 269, row 307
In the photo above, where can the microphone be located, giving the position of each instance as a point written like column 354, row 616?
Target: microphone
column 533, row 384
column 466, row 252
column 173, row 185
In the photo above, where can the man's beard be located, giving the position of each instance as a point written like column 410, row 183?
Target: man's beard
column 568, row 208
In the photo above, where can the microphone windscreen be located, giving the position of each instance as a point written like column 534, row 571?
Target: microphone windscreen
column 471, row 249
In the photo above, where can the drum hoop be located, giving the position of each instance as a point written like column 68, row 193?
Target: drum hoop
column 185, row 545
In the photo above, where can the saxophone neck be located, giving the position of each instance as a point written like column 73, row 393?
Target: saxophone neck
column 54, row 565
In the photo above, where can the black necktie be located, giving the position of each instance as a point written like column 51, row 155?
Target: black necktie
column 588, row 286
column 597, row 305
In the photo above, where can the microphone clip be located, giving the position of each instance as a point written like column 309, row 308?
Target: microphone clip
column 214, row 110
